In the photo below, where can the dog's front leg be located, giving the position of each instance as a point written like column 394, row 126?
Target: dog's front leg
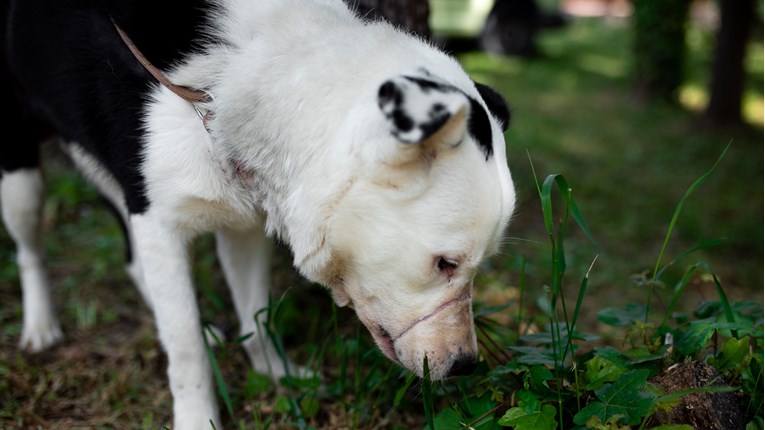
column 162, row 249
column 245, row 257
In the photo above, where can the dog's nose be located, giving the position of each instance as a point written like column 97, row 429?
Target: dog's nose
column 465, row 364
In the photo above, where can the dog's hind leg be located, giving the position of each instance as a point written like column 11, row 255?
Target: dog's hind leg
column 22, row 195
column 245, row 257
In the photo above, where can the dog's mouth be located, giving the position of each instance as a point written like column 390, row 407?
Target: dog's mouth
column 386, row 342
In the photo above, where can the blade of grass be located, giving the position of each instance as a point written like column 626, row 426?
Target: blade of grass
column 219, row 381
column 673, row 223
column 699, row 247
column 725, row 303
column 427, row 394
column 679, row 289
column 577, row 308
column 410, row 378
column 521, row 291
column 566, row 192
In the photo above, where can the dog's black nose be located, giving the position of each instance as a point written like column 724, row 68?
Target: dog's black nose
column 465, row 364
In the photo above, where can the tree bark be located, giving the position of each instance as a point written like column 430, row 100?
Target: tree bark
column 727, row 83
column 659, row 47
column 408, row 14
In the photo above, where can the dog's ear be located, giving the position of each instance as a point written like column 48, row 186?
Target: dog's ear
column 420, row 110
column 496, row 104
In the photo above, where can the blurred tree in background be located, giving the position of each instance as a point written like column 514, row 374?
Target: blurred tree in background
column 726, row 86
column 659, row 47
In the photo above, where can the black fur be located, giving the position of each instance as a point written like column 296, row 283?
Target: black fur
column 480, row 128
column 496, row 104
column 74, row 73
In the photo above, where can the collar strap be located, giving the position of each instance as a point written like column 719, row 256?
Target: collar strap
column 186, row 93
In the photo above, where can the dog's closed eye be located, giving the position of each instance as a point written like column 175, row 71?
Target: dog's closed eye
column 447, row 265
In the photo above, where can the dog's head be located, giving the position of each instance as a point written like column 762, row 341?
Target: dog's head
column 431, row 201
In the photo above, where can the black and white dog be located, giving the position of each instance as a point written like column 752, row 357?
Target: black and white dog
column 370, row 153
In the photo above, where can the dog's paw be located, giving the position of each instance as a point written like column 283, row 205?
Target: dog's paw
column 214, row 336
column 40, row 335
column 267, row 361
column 416, row 108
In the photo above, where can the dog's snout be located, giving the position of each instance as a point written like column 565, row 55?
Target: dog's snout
column 465, row 364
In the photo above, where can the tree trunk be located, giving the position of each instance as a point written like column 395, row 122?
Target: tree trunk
column 409, row 14
column 727, row 84
column 659, row 47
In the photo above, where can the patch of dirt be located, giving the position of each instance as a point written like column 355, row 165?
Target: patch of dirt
column 703, row 411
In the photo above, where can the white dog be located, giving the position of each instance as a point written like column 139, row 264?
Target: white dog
column 369, row 152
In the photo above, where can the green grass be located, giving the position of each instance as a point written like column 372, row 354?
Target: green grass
column 627, row 163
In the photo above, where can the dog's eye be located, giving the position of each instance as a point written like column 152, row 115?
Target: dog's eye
column 446, row 265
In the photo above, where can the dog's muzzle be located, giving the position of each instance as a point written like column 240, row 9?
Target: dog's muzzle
column 446, row 335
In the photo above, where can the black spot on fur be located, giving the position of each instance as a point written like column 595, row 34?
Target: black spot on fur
column 402, row 121
column 480, row 128
column 496, row 104
column 389, row 92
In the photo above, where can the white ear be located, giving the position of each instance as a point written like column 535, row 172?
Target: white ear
column 420, row 109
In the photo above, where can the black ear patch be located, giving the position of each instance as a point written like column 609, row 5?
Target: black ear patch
column 480, row 128
column 496, row 104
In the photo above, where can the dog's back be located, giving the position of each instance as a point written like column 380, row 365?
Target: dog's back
column 66, row 67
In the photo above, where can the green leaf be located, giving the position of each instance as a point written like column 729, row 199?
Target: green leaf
column 594, row 423
column 532, row 355
column 622, row 317
column 695, row 338
column 732, row 354
column 528, row 401
column 642, row 354
column 448, row 419
column 623, row 397
column 538, row 377
column 600, row 371
column 519, row 419
column 613, row 355
column 546, row 338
